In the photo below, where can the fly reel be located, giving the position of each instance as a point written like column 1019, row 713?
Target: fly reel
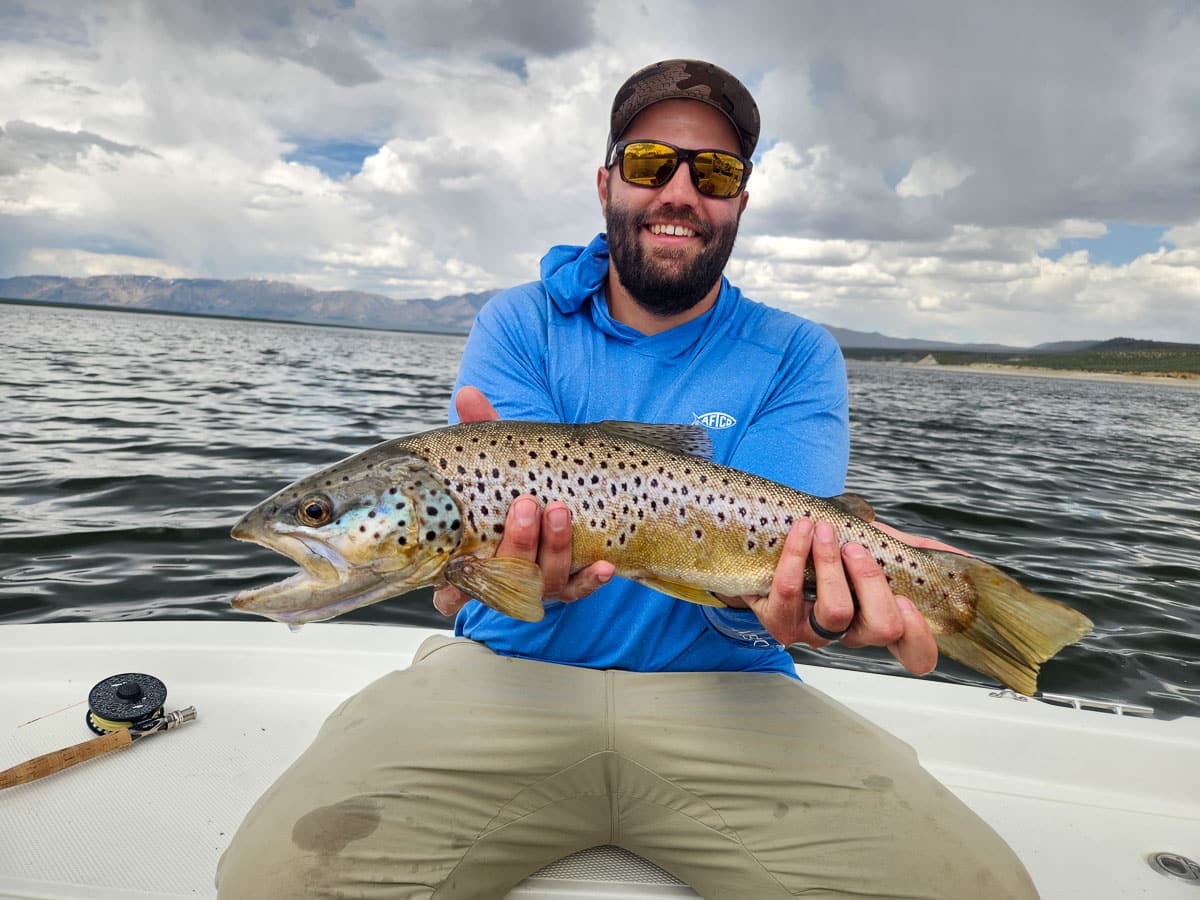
column 125, row 701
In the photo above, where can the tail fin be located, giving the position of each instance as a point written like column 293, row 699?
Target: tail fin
column 1015, row 630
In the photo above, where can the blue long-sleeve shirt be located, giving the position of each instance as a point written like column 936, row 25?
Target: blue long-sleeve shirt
column 769, row 386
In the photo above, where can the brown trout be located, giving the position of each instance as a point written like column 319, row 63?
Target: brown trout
column 428, row 508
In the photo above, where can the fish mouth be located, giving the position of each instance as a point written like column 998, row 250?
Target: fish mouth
column 326, row 585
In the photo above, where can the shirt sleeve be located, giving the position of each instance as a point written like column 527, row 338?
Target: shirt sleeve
column 801, row 438
column 505, row 356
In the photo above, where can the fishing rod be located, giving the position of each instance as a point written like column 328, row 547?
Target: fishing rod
column 122, row 709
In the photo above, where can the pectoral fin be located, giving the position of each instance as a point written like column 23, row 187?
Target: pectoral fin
column 506, row 584
column 680, row 591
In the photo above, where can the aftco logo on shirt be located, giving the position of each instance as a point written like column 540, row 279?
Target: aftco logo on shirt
column 714, row 420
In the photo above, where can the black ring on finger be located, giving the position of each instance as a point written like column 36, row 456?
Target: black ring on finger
column 822, row 632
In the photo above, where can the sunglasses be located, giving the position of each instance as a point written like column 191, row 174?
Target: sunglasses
column 651, row 164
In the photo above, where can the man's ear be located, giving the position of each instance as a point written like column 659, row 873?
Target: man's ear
column 602, row 176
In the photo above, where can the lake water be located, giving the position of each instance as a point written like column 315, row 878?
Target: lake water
column 131, row 444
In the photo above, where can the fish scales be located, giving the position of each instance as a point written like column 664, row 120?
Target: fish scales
column 431, row 507
column 653, row 512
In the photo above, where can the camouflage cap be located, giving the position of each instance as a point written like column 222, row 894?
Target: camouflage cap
column 690, row 79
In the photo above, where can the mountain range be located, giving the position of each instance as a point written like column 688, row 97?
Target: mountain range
column 285, row 302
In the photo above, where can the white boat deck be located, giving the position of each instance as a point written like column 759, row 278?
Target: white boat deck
column 1085, row 798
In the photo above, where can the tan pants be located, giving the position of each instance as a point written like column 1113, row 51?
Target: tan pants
column 463, row 774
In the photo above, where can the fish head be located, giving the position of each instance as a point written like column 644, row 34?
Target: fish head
column 362, row 530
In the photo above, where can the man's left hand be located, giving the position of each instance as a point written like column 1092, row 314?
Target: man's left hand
column 879, row 619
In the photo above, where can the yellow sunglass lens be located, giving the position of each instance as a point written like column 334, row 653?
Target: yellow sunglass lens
column 718, row 174
column 649, row 164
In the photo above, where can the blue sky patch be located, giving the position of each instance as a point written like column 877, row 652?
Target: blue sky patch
column 334, row 158
column 1122, row 244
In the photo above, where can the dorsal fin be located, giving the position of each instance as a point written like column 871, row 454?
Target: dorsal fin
column 692, row 440
column 853, row 504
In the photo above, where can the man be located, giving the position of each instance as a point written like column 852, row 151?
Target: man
column 625, row 716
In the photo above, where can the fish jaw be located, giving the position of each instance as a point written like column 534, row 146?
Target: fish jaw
column 326, row 585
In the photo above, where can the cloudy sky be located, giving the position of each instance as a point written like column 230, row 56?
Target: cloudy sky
column 1016, row 172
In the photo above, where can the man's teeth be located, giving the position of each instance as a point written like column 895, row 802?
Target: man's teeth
column 677, row 230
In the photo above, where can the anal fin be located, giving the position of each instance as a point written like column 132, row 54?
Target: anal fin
column 680, row 591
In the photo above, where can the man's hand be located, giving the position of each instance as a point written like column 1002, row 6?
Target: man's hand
column 541, row 535
column 880, row 619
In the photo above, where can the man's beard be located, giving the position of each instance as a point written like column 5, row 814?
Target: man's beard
column 666, row 287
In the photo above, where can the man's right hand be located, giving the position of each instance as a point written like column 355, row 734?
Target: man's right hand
column 543, row 536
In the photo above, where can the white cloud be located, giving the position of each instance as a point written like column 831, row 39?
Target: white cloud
column 905, row 182
column 933, row 176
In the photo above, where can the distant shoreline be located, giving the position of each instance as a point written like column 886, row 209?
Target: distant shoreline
column 1184, row 379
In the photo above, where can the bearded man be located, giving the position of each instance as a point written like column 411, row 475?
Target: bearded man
column 625, row 716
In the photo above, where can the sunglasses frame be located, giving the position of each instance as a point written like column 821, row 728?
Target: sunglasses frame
column 617, row 157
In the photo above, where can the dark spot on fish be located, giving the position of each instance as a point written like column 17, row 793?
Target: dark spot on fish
column 498, row 528
column 455, row 525
column 371, row 514
column 432, row 510
column 402, row 540
column 362, row 527
column 920, row 580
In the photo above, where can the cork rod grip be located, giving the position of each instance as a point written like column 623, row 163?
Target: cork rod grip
column 56, row 761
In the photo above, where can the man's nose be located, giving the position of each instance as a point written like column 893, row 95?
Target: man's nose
column 680, row 190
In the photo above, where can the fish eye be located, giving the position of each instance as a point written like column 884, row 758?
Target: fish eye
column 315, row 510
